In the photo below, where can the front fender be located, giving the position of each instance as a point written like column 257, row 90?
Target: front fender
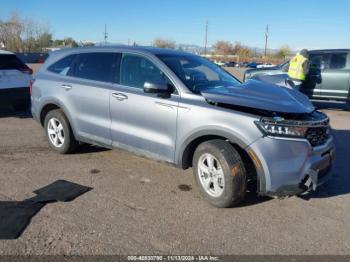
column 211, row 131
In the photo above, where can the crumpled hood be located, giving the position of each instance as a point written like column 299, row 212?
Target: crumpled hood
column 260, row 95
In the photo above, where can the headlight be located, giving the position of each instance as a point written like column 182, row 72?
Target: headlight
column 278, row 128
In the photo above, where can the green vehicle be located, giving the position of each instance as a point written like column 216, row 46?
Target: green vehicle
column 328, row 77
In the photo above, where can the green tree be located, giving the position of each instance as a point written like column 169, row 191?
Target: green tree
column 69, row 42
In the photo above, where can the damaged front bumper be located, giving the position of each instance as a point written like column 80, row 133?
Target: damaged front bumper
column 287, row 167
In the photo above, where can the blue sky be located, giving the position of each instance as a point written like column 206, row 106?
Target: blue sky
column 309, row 24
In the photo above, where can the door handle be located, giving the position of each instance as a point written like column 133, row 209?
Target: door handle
column 67, row 87
column 119, row 96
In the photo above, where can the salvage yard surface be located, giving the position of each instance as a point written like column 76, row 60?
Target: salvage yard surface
column 139, row 206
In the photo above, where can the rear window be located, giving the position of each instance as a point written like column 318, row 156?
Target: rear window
column 62, row 66
column 8, row 62
column 338, row 61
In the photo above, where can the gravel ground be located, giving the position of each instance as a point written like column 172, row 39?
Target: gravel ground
column 138, row 206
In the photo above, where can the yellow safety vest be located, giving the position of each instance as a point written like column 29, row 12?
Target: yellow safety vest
column 296, row 70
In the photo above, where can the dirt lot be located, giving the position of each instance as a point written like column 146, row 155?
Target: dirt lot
column 138, row 206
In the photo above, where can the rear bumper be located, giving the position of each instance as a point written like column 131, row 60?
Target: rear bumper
column 12, row 96
column 291, row 167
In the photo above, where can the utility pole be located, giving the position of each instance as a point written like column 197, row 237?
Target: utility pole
column 206, row 38
column 105, row 35
column 266, row 38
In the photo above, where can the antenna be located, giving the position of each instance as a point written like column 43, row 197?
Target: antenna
column 106, row 34
column 206, row 37
column 266, row 38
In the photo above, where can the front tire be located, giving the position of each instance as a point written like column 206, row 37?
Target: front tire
column 59, row 133
column 219, row 173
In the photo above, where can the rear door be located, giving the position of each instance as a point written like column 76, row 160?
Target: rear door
column 85, row 92
column 13, row 72
column 142, row 122
column 336, row 77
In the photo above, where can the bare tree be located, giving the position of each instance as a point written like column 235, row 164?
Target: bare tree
column 11, row 31
column 241, row 50
column 164, row 43
column 283, row 52
column 24, row 35
column 223, row 47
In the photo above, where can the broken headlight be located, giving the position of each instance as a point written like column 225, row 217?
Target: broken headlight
column 271, row 127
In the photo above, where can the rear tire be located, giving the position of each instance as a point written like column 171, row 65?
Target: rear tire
column 59, row 132
column 219, row 173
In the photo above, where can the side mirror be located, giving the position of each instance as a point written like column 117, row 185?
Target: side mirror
column 285, row 67
column 156, row 88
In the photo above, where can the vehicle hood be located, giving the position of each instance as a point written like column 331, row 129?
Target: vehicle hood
column 259, row 95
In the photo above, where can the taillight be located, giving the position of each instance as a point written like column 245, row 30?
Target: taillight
column 31, row 82
column 26, row 70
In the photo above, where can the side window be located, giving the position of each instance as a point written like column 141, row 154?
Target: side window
column 338, row 61
column 63, row 65
column 319, row 61
column 136, row 70
column 97, row 66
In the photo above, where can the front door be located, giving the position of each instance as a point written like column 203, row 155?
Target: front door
column 141, row 122
column 336, row 77
column 313, row 82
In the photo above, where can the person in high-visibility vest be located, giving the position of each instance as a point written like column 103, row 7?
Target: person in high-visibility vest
column 299, row 67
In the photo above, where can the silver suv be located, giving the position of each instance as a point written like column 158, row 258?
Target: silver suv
column 182, row 109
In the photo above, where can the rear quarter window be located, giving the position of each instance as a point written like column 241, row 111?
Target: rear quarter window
column 8, row 62
column 63, row 65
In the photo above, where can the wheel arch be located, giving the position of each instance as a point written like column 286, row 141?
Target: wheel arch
column 189, row 146
column 50, row 105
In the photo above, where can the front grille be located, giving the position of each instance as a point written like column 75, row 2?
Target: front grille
column 318, row 136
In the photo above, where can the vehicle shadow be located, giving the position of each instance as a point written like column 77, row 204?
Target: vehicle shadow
column 252, row 198
column 339, row 184
column 8, row 111
column 15, row 216
column 87, row 149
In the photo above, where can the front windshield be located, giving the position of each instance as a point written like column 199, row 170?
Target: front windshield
column 198, row 73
